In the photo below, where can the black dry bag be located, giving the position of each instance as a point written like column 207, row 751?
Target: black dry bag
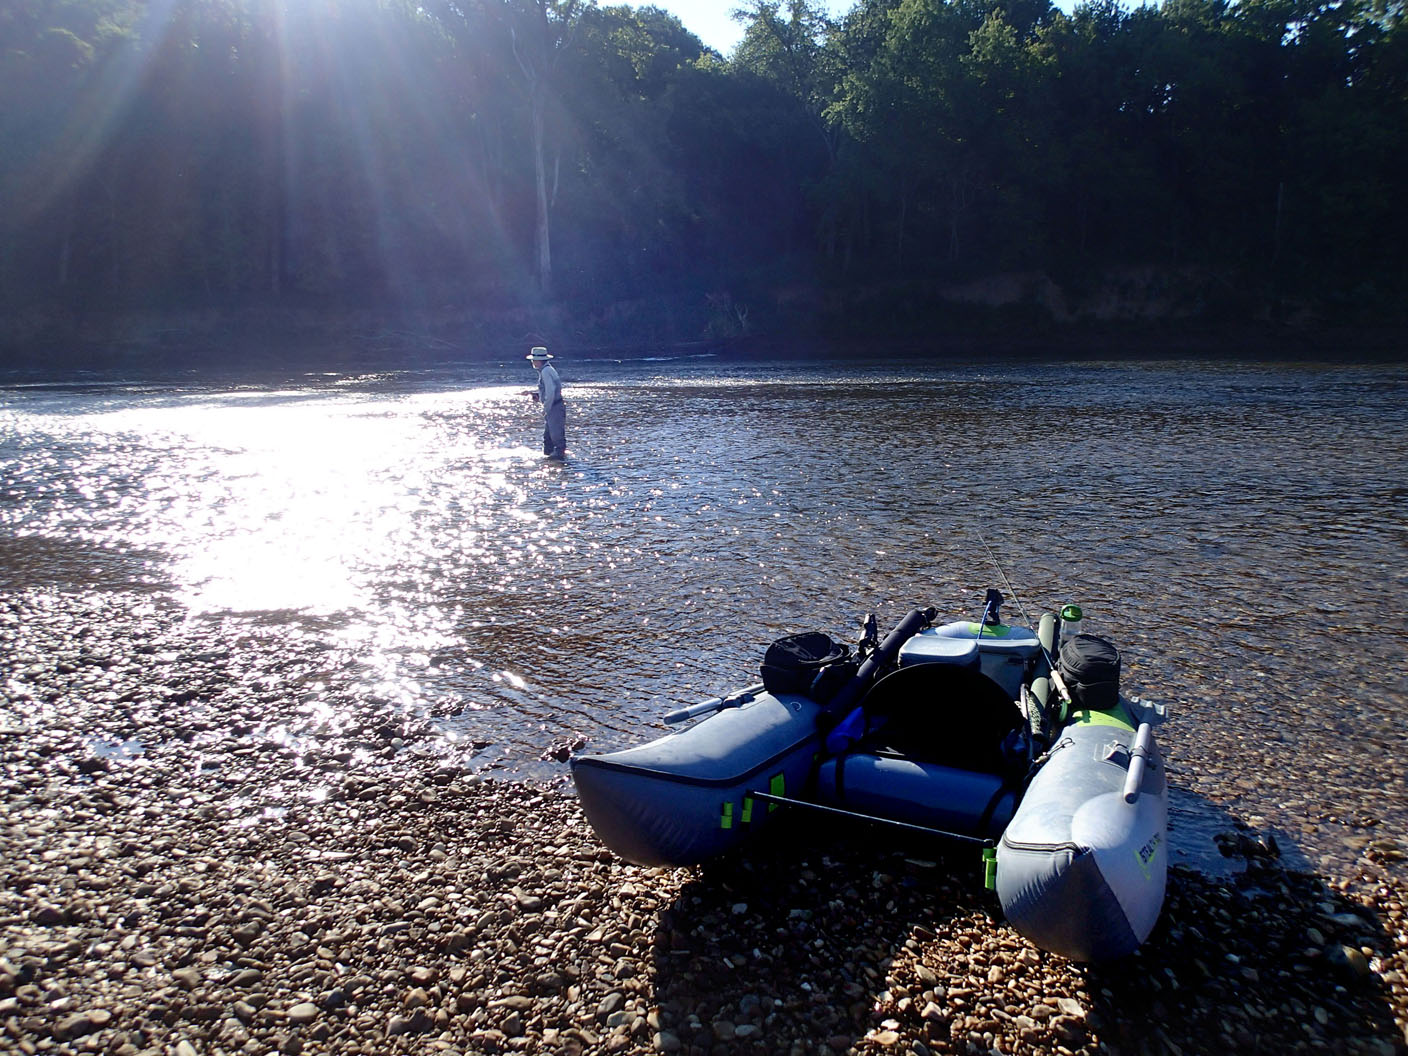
column 1091, row 667
column 799, row 662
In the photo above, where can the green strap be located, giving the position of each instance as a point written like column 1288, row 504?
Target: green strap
column 777, row 786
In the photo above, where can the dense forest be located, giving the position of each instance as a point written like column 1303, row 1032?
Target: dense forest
column 494, row 170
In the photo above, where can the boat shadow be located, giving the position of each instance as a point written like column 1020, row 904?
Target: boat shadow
column 822, row 935
column 794, row 938
column 1269, row 960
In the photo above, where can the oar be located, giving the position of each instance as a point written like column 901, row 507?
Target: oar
column 704, row 707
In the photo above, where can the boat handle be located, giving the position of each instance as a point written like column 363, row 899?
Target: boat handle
column 743, row 696
column 1138, row 759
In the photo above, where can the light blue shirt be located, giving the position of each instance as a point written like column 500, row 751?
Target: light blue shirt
column 549, row 387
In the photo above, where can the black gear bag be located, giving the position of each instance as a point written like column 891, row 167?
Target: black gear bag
column 1090, row 666
column 810, row 664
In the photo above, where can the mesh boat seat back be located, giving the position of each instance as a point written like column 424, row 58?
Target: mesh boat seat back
column 938, row 713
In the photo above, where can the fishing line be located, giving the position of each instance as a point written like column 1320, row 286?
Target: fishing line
column 1055, row 675
column 1005, row 581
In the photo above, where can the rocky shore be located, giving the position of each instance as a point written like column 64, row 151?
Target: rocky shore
column 195, row 862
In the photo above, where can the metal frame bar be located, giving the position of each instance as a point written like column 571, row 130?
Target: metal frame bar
column 837, row 811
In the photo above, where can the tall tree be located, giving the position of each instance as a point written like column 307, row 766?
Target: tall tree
column 791, row 46
column 541, row 30
column 536, row 33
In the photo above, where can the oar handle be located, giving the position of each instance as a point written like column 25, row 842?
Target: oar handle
column 704, row 707
column 1138, row 762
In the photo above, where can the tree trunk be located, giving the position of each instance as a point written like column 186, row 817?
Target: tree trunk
column 276, row 265
column 903, row 222
column 543, row 240
column 66, row 249
column 960, row 203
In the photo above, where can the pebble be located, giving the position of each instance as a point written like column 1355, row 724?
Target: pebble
column 303, row 1013
column 1351, row 959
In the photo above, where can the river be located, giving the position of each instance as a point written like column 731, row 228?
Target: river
column 1238, row 529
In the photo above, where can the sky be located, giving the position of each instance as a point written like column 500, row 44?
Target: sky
column 708, row 19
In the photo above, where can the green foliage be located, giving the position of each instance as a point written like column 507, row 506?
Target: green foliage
column 418, row 154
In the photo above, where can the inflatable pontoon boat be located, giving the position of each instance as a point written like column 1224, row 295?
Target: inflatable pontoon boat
column 979, row 731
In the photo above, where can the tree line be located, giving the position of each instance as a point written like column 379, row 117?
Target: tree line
column 507, row 156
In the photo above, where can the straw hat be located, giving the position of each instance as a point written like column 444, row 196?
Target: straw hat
column 539, row 353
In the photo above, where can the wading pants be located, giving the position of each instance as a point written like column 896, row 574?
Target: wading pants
column 555, row 430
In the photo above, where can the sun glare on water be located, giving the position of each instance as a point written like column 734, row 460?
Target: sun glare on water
column 283, row 502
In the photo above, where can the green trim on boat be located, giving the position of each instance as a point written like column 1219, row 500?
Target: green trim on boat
column 726, row 818
column 989, row 630
column 1116, row 717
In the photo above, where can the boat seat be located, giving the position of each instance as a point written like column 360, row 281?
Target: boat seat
column 944, row 714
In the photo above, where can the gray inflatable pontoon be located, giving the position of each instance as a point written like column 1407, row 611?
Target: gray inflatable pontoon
column 685, row 797
column 1082, row 865
column 961, row 730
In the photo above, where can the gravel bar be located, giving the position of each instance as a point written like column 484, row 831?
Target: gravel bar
column 190, row 868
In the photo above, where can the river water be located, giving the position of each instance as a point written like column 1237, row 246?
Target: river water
column 1238, row 529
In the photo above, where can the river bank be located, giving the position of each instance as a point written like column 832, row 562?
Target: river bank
column 181, row 876
column 1000, row 318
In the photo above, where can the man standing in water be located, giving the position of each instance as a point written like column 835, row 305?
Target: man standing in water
column 549, row 394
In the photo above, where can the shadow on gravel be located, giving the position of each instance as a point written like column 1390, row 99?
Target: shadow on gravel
column 1253, row 952
column 797, row 941
column 1269, row 961
column 873, row 947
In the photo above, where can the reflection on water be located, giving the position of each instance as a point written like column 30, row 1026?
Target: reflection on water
column 1239, row 529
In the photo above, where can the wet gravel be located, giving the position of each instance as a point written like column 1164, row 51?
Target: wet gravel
column 209, row 847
